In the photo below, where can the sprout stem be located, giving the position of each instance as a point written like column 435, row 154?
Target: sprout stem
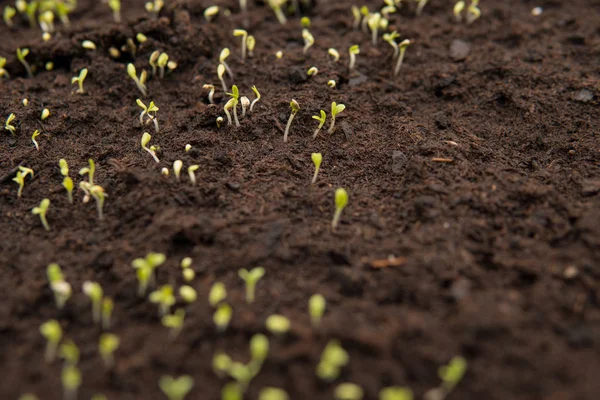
column 399, row 62
column 287, row 128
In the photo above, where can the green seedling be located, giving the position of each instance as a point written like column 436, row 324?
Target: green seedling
column 452, row 373
column 211, row 93
column 41, row 210
column 375, row 23
column 256, row 99
column 272, row 393
column 21, row 54
column 295, row 108
column 69, row 352
column 305, row 22
column 245, row 102
column 64, row 167
column 45, row 114
column 107, row 346
column 164, row 297
column 473, row 12
column 25, row 102
column 62, row 292
column 188, row 274
column 316, row 159
column 154, row 7
column 30, row 10
column 403, row 45
column 153, row 60
column 335, row 110
column 279, row 55
column 242, row 374
column 89, row 171
column 217, row 294
column 68, row 185
column 3, row 72
column 88, row 45
column 309, row 40
column 8, row 124
column 334, row 54
column 107, row 309
column 141, row 38
column 20, row 178
column 276, row 7
column 79, row 80
column 188, row 294
column 232, row 391
column 94, row 291
column 331, row 83
column 187, row 147
column 395, row 393
column 145, row 269
column 162, row 63
column 145, row 140
column 251, row 278
column 29, row 396
column 244, row 34
column 364, row 11
column 222, row 57
column 353, row 51
column 54, row 273
column 357, row 17
column 98, row 193
column 348, row 391
column 164, row 171
column 222, row 316
column 277, row 324
column 333, row 358
column 177, row 166
column 63, row 10
column 46, row 21
column 176, row 388
column 387, row 10
column 321, row 118
column 219, row 122
column 52, row 332
column 210, row 13
column 174, row 322
column 221, row 363
column 235, row 95
column 259, row 348
column 250, row 43
column 243, row 5
column 458, row 9
column 390, row 38
column 71, row 380
column 192, row 173
column 228, row 106
column 35, row 134
column 341, row 200
column 139, row 82
column 49, row 66
column 220, row 72
column 8, row 15
column 115, row 6
column 312, row 71
column 316, row 309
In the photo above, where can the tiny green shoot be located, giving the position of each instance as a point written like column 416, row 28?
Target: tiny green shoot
column 334, row 53
column 139, row 82
column 177, row 166
column 222, row 316
column 69, row 352
column 79, row 80
column 276, row 7
column 25, row 102
column 54, row 273
column 390, row 38
column 20, row 178
column 176, row 388
column 100, row 196
column 221, row 363
column 232, row 391
column 387, row 10
column 89, row 171
column 333, row 358
column 8, row 15
column 3, row 72
column 162, row 62
column 251, row 44
column 312, row 71
column 88, row 45
column 219, row 122
column 222, row 57
column 188, row 274
column 35, row 134
column 309, row 40
column 211, row 93
column 68, row 185
column 153, row 60
column 452, row 373
column 107, row 345
column 357, row 17
column 30, row 9
column 174, row 322
column 341, row 200
column 251, row 278
column 146, row 111
column 41, row 210
column 45, row 114
column 145, row 140
column 364, row 10
column 71, row 380
column 395, row 393
column 316, row 159
column 316, row 309
column 353, row 51
column 272, row 393
column 242, row 373
column 279, row 55
column 235, row 95
column 188, row 294
column 305, row 22
column 259, row 348
column 348, row 391
column 256, row 99
column 245, row 102
column 295, row 108
column 52, row 332
column 277, row 324
column 331, row 83
column 335, row 110
column 107, row 308
column 62, row 292
column 192, row 173
column 210, row 13
column 164, row 297
column 220, row 72
column 420, row 5
column 403, row 45
column 374, row 23
column 244, row 34
column 140, row 37
column 458, row 9
column 145, row 269
column 473, row 12
column 94, row 291
column 115, row 6
column 217, row 294
column 8, row 124
column 321, row 118
column 229, row 105
column 21, row 54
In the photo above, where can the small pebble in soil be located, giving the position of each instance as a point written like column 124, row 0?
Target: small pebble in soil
column 584, row 96
column 571, row 272
column 459, row 50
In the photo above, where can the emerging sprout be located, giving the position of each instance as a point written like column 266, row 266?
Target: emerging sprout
column 217, row 293
column 89, row 171
column 25, row 102
column 273, row 393
column 395, row 393
column 257, row 98
column 390, row 38
column 79, row 80
column 403, row 45
column 353, row 51
column 341, row 200
column 221, row 363
column 52, row 332
column 229, row 105
column 3, row 72
column 108, row 344
column 333, row 358
column 335, row 110
column 188, row 294
column 49, row 66
column 71, row 380
column 243, row 374
column 235, row 95
column 145, row 140
column 139, row 82
column 45, row 114
column 222, row 317
column 375, row 22
column 35, row 134
column 316, row 309
column 162, row 62
column 232, row 391
column 153, row 61
column 279, row 55
column 420, row 6
column 29, row 9
column 164, row 298
column 174, row 322
column 176, row 388
column 458, row 9
column 210, row 13
column 140, row 37
column 21, row 54
column 8, row 15
column 452, row 373
column 187, row 147
column 251, row 278
column 93, row 290
column 154, row 7
column 316, row 159
column 69, row 352
column 88, row 45
column 277, row 324
column 8, row 124
column 188, row 274
column 348, row 391
column 220, row 72
column 357, row 17
column 244, row 34
column 219, row 121
column 145, row 269
column 222, row 57
column 334, row 53
column 211, row 93
column 259, row 348
column 321, row 118
column 387, row 10
column 164, row 171
column 62, row 292
column 364, row 10
column 295, row 108
column 100, row 196
column 331, row 83
column 276, row 7
column 473, row 12
column 115, row 6
column 186, row 262
column 245, row 102
column 68, row 185
column 107, row 308
column 312, row 71
column 41, row 210
column 146, row 111
column 177, row 166
column 20, row 178
column 251, row 43
column 309, row 40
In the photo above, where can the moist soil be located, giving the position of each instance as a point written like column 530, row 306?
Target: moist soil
column 476, row 171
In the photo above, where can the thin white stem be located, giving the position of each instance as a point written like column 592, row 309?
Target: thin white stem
column 316, row 132
column 352, row 62
column 314, row 179
column 332, row 125
column 228, row 116
column 374, row 36
column 336, row 218
column 235, row 116
column 287, row 128
column 229, row 71
column 152, row 153
column 223, row 84
column 399, row 63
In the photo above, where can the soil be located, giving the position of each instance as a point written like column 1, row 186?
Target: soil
column 478, row 168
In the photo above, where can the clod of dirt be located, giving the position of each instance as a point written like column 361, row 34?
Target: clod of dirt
column 459, row 50
column 297, row 76
column 442, row 121
column 584, row 96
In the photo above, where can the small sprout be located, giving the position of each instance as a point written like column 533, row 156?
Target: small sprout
column 220, row 72
column 334, row 53
column 335, row 110
column 276, row 7
column 62, row 292
column 309, row 40
column 89, row 171
column 420, row 5
column 452, row 373
column 272, row 393
column 217, row 294
column 353, row 51
column 250, row 43
column 232, row 391
column 107, row 308
column 8, row 124
column 145, row 269
column 164, row 171
column 221, row 363
column 46, row 36
column 68, row 185
column 20, row 178
column 357, row 17
column 279, row 55
column 140, row 37
column 29, row 9
column 146, row 111
column 316, row 159
column 131, row 48
column 231, row 103
column 375, row 22
column 222, row 57
column 244, row 34
column 88, row 45
column 321, row 118
column 25, row 102
column 348, row 391
column 64, row 167
column 210, row 13
column 174, row 322
column 21, row 54
column 145, row 140
column 139, row 82
column 54, row 273
column 188, row 274
column 305, row 22
column 251, row 278
column 79, row 79
column 108, row 344
column 164, row 298
column 71, row 380
column 93, row 290
column 186, row 262
column 222, row 317
column 192, row 173
column 295, row 108
column 473, row 12
column 41, row 210
column 49, row 66
column 114, row 52
column 219, row 121
column 390, row 38
column 403, row 45
column 188, row 294
column 331, row 83
column 243, row 374
column 45, row 114
column 115, row 6
column 69, row 352
column 341, row 200
column 188, row 147
column 52, row 332
column 312, row 71
column 387, row 10
column 395, row 393
column 162, row 62
column 153, row 61
column 8, row 15
column 277, row 324
column 211, row 93
column 364, row 10
column 245, row 102
column 259, row 348
column 154, row 7
column 177, row 166
column 333, row 358
column 257, row 98
column 100, row 196
column 537, row 11
column 316, row 309
column 458, row 9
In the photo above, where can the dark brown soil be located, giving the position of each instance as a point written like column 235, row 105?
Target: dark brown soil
column 487, row 237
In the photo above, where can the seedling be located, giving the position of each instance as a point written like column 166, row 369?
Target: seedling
column 259, row 349
column 316, row 159
column 145, row 269
column 154, row 7
column 364, row 10
column 79, row 80
column 89, row 171
column 107, row 308
column 188, row 294
column 140, row 37
column 220, row 72
column 188, row 147
column 458, row 9
column 41, row 210
column 333, row 358
column 243, row 374
column 35, row 134
column 221, row 363
column 21, row 54
column 387, row 10
column 250, row 43
column 395, row 393
column 211, row 93
column 139, row 82
column 49, row 66
column 251, row 278
column 164, row 298
column 54, row 273
column 217, row 294
column 321, row 118
column 316, row 309
column 3, row 72
column 88, row 45
column 153, row 60
column 174, row 322
column 8, row 15
column 8, row 124
column 473, row 12
column 162, row 62
column 312, row 71
column 256, row 100
column 295, row 108
column 229, row 105
column 341, row 200
column 309, row 40
column 334, row 53
column 145, row 140
column 353, row 51
column 277, row 324
column 71, row 380
column 192, row 173
column 335, row 110
column 390, row 38
column 69, row 352
column 108, row 344
column 68, row 185
column 20, row 178
column 331, row 83
column 222, row 317
column 357, row 17
column 188, row 274
column 176, row 388
column 279, row 55
column 177, row 166
column 375, row 22
column 29, row 9
column 420, row 5
column 52, row 331
column 222, row 57
column 244, row 34
column 403, row 45
column 276, row 7
column 25, row 102
column 146, row 111
column 219, row 122
column 245, row 102
column 235, row 94
column 273, row 393
column 452, row 373
column 100, row 196
column 115, row 6
column 210, row 13
column 348, row 391
column 93, row 290
column 164, row 171
column 45, row 114
column 62, row 292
